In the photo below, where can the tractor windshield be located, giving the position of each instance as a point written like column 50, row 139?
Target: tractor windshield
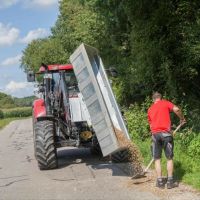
column 70, row 80
column 72, row 84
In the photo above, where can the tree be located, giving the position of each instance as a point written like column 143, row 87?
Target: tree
column 39, row 51
column 161, row 46
column 155, row 45
column 78, row 23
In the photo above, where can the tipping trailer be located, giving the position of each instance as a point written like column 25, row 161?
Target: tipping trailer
column 94, row 85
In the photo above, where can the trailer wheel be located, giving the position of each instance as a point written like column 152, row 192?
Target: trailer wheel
column 120, row 156
column 44, row 145
column 95, row 149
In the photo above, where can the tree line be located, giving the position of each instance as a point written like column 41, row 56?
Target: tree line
column 7, row 101
column 155, row 45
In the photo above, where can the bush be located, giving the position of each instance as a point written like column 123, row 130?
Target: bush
column 194, row 147
column 185, row 136
column 136, row 117
column 1, row 114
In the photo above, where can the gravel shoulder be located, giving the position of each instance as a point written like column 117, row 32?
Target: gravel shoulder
column 79, row 176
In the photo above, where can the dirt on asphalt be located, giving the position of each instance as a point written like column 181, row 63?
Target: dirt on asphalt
column 80, row 175
column 134, row 156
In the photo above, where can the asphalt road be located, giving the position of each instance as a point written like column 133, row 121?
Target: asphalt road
column 80, row 175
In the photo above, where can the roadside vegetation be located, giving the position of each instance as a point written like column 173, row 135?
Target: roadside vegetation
column 4, row 122
column 187, row 144
column 154, row 45
column 12, row 108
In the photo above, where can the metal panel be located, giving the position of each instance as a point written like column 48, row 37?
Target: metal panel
column 98, row 96
column 78, row 110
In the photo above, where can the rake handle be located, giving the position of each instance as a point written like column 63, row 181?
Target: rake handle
column 177, row 128
column 146, row 169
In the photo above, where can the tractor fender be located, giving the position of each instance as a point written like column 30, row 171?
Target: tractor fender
column 39, row 109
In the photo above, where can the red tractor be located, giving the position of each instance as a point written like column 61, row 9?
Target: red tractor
column 60, row 116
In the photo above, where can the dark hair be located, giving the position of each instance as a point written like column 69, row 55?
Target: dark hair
column 156, row 95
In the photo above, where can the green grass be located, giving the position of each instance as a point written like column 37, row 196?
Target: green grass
column 17, row 112
column 12, row 114
column 186, row 168
column 11, row 109
column 4, row 122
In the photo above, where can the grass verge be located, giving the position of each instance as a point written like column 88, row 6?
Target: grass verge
column 186, row 168
column 4, row 122
column 8, row 115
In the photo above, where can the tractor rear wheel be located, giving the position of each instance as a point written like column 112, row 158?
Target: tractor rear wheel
column 120, row 156
column 44, row 145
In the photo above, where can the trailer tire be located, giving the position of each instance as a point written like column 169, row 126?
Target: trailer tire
column 95, row 149
column 44, row 145
column 120, row 156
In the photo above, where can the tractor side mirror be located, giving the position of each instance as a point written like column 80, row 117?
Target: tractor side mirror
column 112, row 72
column 41, row 89
column 30, row 76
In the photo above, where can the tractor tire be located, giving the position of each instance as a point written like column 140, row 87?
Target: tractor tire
column 120, row 156
column 44, row 145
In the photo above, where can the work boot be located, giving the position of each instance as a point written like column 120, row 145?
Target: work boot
column 171, row 183
column 160, row 183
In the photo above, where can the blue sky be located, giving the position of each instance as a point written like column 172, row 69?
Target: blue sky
column 21, row 21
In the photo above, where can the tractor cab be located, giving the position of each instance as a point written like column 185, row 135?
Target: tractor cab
column 53, row 73
column 61, row 95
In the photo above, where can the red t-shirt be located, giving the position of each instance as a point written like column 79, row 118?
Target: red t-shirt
column 159, row 116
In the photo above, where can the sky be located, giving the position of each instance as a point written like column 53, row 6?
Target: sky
column 21, row 21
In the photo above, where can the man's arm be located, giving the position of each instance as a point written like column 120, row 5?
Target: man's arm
column 179, row 113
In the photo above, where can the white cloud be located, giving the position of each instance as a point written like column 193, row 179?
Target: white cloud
column 8, row 35
column 13, row 86
column 11, row 61
column 7, row 3
column 34, row 34
column 18, row 89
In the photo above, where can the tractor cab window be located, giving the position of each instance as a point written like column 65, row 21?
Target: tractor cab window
column 70, row 79
column 55, row 82
column 72, row 84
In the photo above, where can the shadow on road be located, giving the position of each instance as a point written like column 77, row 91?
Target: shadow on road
column 69, row 156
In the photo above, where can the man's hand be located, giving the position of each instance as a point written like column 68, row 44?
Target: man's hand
column 183, row 121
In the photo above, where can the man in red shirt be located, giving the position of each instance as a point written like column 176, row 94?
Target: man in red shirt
column 160, row 125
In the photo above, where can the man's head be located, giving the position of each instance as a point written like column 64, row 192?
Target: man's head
column 156, row 96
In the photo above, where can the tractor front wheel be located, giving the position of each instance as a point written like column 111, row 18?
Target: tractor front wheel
column 44, row 140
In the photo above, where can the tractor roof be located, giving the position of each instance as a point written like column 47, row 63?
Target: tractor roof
column 56, row 67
